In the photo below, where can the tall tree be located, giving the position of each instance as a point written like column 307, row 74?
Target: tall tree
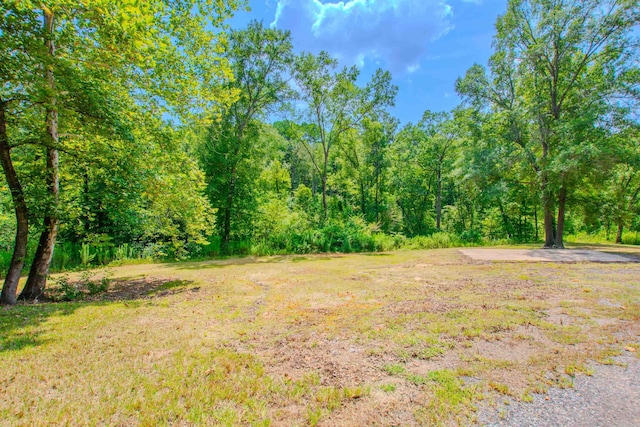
column 335, row 104
column 623, row 186
column 67, row 63
column 438, row 150
column 34, row 287
column 260, row 59
column 362, row 160
column 555, row 64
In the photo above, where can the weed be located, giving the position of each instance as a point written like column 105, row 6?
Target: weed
column 65, row 290
column 500, row 388
column 388, row 388
column 417, row 379
column 450, row 397
column 394, row 369
column 314, row 415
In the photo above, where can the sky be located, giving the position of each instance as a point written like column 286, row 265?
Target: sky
column 425, row 44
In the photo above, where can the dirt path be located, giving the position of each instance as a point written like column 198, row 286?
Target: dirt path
column 544, row 255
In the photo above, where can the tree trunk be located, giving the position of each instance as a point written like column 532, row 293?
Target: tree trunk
column 377, row 195
column 10, row 286
column 619, row 234
column 535, row 220
column 363, row 199
column 324, row 185
column 226, row 224
column 324, row 195
column 37, row 279
column 439, row 199
column 547, row 202
column 562, row 199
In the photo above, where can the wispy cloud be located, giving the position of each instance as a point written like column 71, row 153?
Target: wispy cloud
column 395, row 31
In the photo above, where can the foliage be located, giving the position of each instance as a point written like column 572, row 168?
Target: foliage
column 66, row 289
column 169, row 150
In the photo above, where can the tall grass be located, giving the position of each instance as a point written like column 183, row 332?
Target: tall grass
column 351, row 235
column 604, row 237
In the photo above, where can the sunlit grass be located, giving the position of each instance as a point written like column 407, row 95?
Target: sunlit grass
column 324, row 340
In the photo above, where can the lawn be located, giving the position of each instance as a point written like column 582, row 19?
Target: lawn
column 400, row 338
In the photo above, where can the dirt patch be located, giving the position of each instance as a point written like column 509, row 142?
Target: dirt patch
column 508, row 350
column 339, row 363
column 545, row 255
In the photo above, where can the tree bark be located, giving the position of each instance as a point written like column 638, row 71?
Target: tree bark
column 548, row 207
column 377, row 194
column 562, row 199
column 10, row 286
column 226, row 225
column 535, row 219
column 619, row 234
column 37, row 280
column 439, row 199
column 324, row 184
column 363, row 198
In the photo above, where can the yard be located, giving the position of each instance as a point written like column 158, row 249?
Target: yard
column 400, row 338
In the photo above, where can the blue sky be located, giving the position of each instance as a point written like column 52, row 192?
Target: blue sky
column 426, row 44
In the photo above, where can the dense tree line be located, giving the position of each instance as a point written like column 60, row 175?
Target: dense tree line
column 153, row 131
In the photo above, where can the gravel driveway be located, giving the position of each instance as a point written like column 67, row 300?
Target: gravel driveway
column 544, row 255
column 609, row 398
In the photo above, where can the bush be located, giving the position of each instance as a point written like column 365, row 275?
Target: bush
column 435, row 241
column 64, row 289
column 471, row 236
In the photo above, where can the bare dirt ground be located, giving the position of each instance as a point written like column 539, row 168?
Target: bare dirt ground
column 407, row 338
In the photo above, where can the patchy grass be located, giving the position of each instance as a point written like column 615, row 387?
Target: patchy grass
column 410, row 338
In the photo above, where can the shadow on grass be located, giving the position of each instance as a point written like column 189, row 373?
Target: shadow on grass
column 21, row 324
column 375, row 254
column 127, row 289
column 630, row 251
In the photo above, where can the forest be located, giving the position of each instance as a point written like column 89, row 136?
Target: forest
column 152, row 130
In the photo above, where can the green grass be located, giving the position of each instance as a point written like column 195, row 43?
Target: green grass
column 314, row 340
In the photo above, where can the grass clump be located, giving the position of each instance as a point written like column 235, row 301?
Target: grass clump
column 395, row 370
column 451, row 397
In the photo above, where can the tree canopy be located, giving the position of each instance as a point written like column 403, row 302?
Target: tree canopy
column 152, row 130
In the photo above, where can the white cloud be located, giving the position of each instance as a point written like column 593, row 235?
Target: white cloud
column 395, row 31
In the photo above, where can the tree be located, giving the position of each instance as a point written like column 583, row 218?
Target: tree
column 70, row 68
column 555, row 65
column 623, row 185
column 427, row 151
column 334, row 104
column 437, row 153
column 411, row 188
column 363, row 163
column 259, row 58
